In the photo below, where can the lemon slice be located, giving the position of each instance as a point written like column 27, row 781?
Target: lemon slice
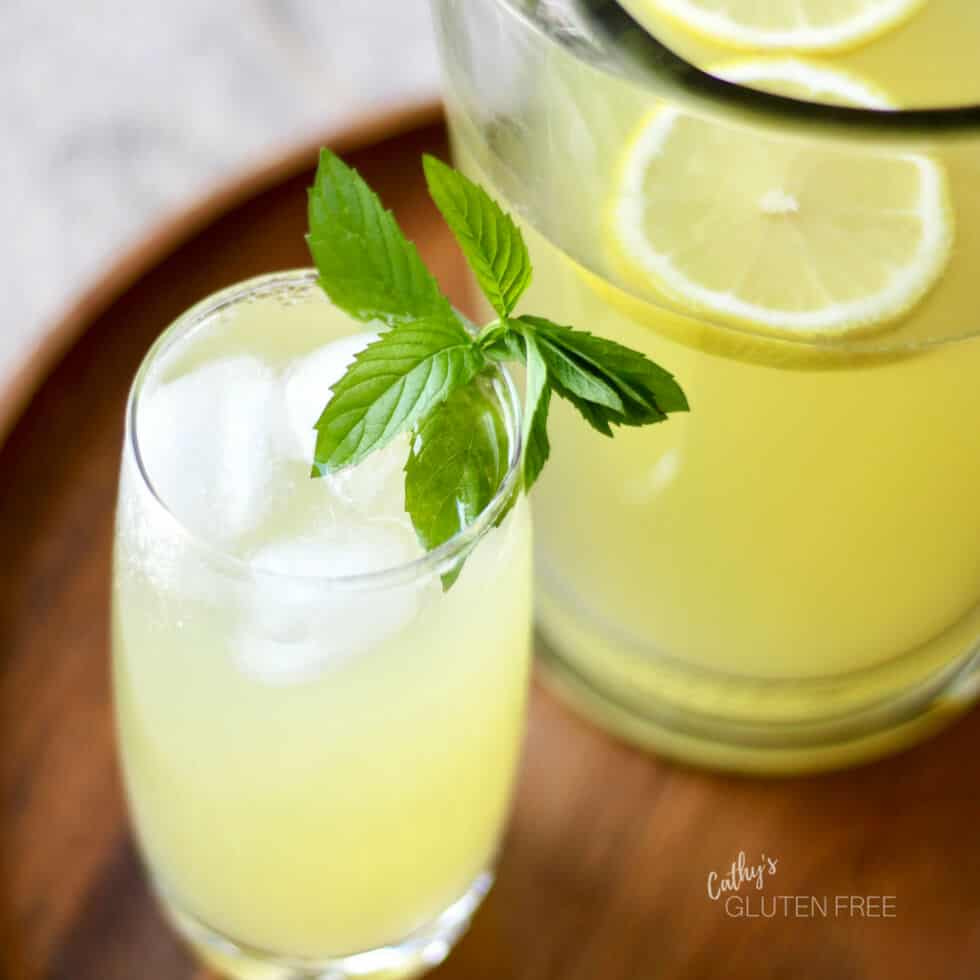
column 804, row 80
column 779, row 25
column 798, row 238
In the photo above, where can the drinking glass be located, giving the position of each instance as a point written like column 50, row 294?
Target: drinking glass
column 788, row 577
column 318, row 741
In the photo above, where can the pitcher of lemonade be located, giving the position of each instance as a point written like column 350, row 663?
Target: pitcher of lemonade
column 780, row 203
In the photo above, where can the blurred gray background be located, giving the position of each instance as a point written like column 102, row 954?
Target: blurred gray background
column 115, row 112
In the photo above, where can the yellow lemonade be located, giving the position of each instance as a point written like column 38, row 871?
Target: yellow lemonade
column 787, row 578
column 317, row 765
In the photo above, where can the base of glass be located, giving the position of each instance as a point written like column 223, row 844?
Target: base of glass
column 424, row 949
column 775, row 728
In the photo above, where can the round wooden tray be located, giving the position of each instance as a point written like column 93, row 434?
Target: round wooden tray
column 604, row 873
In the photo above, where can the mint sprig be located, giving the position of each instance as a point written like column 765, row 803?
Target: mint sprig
column 425, row 373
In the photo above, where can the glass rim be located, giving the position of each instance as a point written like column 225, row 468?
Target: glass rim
column 436, row 561
column 711, row 93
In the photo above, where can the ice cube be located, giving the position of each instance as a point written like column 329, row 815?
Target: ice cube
column 309, row 385
column 207, row 442
column 296, row 626
column 376, row 485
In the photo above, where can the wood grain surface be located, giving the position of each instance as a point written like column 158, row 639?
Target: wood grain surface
column 604, row 870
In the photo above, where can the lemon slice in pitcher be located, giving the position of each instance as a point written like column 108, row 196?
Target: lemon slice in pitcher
column 799, row 237
column 807, row 80
column 778, row 25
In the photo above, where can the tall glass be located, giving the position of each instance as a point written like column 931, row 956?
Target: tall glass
column 787, row 578
column 318, row 752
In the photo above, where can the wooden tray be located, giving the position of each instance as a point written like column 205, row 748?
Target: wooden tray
column 605, row 869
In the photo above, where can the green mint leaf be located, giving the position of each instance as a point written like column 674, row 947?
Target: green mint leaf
column 501, row 342
column 391, row 385
column 648, row 392
column 492, row 243
column 572, row 372
column 536, row 401
column 459, row 460
column 598, row 416
column 367, row 266
column 449, row 578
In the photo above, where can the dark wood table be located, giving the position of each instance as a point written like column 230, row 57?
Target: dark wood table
column 604, row 873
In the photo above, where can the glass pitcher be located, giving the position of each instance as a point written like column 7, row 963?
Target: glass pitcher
column 785, row 214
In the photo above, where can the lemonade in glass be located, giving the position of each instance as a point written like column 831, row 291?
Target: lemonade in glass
column 779, row 201
column 318, row 740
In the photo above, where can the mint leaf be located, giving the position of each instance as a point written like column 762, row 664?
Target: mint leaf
column 577, row 376
column 536, row 401
column 459, row 460
column 648, row 392
column 367, row 266
column 391, row 386
column 500, row 342
column 490, row 240
column 598, row 416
